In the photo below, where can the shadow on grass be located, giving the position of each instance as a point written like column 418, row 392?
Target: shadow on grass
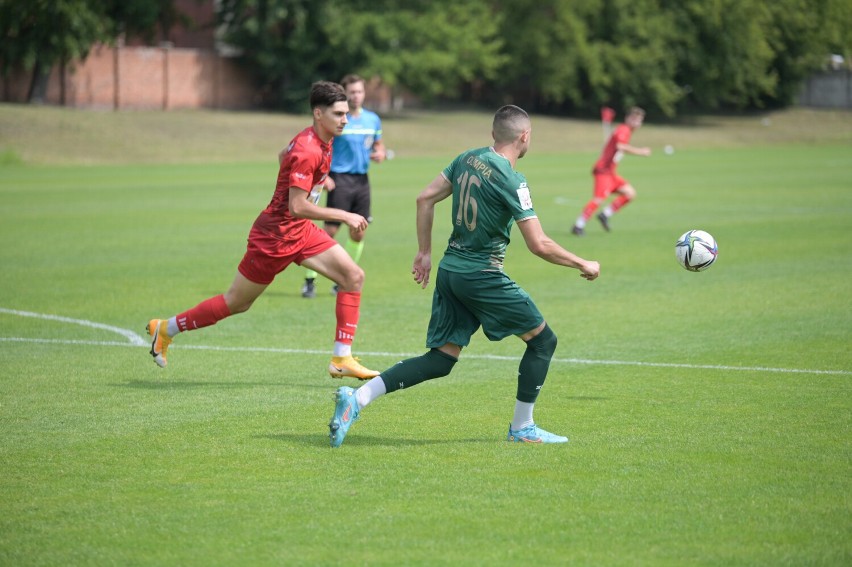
column 314, row 440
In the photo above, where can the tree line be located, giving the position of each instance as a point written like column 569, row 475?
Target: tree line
column 40, row 34
column 557, row 56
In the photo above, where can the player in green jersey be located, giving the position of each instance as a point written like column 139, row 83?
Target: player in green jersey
column 471, row 289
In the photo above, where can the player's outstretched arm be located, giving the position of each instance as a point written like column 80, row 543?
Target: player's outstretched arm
column 633, row 150
column 545, row 247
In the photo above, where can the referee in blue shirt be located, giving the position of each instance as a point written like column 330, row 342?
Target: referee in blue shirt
column 348, row 185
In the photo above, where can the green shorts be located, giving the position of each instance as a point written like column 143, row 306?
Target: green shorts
column 464, row 301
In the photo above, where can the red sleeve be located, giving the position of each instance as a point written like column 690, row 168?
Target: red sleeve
column 622, row 134
column 299, row 167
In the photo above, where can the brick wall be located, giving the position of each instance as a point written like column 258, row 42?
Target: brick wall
column 143, row 78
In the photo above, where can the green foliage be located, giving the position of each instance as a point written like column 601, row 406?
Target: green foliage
column 39, row 34
column 47, row 32
column 547, row 50
column 553, row 55
column 725, row 57
column 666, row 55
column 801, row 35
column 586, row 54
column 143, row 18
column 836, row 26
column 284, row 43
column 630, row 46
column 434, row 49
column 431, row 48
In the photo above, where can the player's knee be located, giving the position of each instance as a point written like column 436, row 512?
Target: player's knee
column 544, row 343
column 353, row 279
column 439, row 362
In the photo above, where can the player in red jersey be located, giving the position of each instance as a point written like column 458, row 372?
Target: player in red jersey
column 285, row 233
column 607, row 180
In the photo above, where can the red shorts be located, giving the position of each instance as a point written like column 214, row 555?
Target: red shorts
column 268, row 255
column 606, row 183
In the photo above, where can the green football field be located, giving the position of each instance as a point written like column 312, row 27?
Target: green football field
column 708, row 413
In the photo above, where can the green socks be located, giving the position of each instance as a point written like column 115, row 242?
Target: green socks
column 354, row 249
column 534, row 365
column 413, row 371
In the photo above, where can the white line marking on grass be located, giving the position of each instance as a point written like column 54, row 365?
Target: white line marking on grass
column 702, row 366
column 402, row 355
column 65, row 342
column 134, row 338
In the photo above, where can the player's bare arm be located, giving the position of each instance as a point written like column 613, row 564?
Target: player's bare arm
column 438, row 190
column 633, row 150
column 302, row 207
column 546, row 248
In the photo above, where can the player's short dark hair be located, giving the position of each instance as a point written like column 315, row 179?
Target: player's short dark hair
column 350, row 79
column 509, row 122
column 326, row 93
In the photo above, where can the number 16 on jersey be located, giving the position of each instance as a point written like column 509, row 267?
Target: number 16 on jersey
column 467, row 203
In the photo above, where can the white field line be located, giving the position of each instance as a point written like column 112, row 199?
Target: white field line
column 403, row 355
column 135, row 340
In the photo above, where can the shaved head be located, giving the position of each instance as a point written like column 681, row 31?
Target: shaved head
column 510, row 121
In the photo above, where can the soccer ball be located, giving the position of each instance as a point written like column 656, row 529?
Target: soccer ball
column 696, row 250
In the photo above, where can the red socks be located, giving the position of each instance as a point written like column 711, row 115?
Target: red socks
column 590, row 208
column 347, row 311
column 208, row 312
column 211, row 311
column 618, row 203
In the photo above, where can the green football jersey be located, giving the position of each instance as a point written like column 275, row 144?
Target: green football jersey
column 488, row 196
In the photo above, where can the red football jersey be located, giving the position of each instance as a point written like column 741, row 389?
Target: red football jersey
column 306, row 163
column 610, row 156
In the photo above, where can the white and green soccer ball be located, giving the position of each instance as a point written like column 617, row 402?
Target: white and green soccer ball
column 696, row 250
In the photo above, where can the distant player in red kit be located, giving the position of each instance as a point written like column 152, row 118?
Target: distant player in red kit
column 607, row 180
column 285, row 233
